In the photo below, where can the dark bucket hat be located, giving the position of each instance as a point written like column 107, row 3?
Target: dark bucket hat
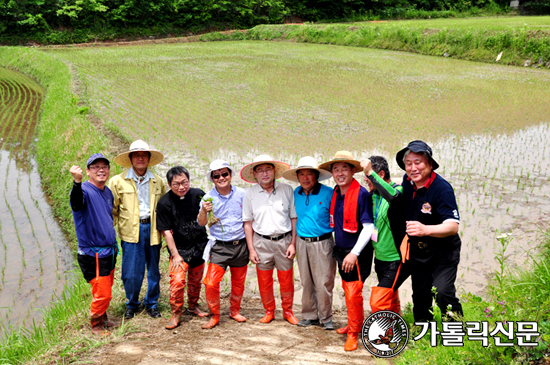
column 416, row 147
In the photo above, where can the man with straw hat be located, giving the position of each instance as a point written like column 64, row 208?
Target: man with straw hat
column 432, row 221
column 136, row 193
column 350, row 216
column 92, row 207
column 270, row 227
column 314, row 243
column 228, row 242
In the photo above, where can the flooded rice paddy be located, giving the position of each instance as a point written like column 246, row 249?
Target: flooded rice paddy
column 489, row 125
column 34, row 258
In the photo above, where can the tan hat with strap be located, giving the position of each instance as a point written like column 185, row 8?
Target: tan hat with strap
column 342, row 156
column 137, row 146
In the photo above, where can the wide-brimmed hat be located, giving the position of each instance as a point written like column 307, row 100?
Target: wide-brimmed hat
column 217, row 165
column 96, row 156
column 124, row 158
column 342, row 156
column 416, row 147
column 247, row 172
column 306, row 163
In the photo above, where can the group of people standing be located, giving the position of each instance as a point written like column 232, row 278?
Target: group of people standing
column 410, row 229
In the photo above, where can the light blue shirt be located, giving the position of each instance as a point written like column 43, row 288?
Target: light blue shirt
column 142, row 192
column 313, row 211
column 229, row 210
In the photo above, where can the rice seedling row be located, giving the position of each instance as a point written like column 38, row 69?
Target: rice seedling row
column 31, row 275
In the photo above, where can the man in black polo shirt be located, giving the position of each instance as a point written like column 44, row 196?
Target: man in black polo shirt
column 432, row 220
column 177, row 214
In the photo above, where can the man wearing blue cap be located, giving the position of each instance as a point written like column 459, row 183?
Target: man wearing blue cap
column 92, row 206
column 432, row 220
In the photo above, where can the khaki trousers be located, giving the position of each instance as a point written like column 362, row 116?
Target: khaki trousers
column 272, row 253
column 317, row 273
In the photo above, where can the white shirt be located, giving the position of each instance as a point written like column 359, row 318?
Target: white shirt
column 270, row 213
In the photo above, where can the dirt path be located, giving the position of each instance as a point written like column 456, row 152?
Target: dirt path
column 231, row 343
column 147, row 342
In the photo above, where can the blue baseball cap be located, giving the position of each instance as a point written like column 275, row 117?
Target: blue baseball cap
column 416, row 147
column 96, row 156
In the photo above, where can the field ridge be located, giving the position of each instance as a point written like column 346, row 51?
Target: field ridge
column 481, row 45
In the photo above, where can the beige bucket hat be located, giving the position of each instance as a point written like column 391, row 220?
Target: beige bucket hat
column 309, row 163
column 342, row 156
column 247, row 172
column 124, row 158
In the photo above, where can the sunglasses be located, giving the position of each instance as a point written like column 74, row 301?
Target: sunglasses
column 216, row 177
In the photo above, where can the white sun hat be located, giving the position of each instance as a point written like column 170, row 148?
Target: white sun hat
column 216, row 165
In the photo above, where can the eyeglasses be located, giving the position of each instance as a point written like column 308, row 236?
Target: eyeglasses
column 223, row 174
column 97, row 168
column 176, row 184
column 266, row 171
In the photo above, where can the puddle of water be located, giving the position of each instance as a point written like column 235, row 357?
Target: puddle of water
column 35, row 261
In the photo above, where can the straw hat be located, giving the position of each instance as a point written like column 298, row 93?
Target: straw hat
column 306, row 163
column 217, row 165
column 124, row 158
column 247, row 172
column 341, row 156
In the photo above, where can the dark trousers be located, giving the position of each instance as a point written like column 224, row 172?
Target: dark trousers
column 386, row 272
column 361, row 271
column 89, row 265
column 440, row 272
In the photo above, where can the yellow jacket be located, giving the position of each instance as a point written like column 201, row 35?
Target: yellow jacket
column 126, row 206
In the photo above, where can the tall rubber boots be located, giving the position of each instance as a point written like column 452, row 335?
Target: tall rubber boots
column 396, row 303
column 356, row 315
column 238, row 278
column 194, row 290
column 286, row 283
column 265, row 284
column 177, row 288
column 212, row 287
column 101, row 297
column 98, row 326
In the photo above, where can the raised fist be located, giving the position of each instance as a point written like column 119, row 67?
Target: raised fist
column 76, row 171
column 367, row 167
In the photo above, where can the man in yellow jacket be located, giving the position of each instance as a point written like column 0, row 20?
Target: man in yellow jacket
column 136, row 193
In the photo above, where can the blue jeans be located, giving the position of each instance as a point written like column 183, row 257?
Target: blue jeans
column 135, row 257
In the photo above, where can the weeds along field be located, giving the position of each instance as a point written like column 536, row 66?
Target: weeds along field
column 488, row 124
column 34, row 260
column 520, row 41
column 490, row 23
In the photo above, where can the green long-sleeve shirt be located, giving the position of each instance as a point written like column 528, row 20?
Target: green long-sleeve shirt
column 386, row 197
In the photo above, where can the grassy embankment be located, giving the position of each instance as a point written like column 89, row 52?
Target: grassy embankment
column 64, row 137
column 519, row 38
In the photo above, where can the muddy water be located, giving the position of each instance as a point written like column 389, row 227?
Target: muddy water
column 502, row 184
column 34, row 258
